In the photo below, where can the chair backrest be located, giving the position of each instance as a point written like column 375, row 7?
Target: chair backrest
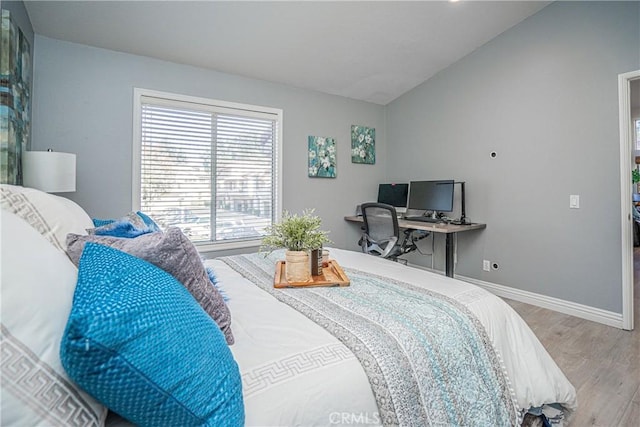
column 380, row 221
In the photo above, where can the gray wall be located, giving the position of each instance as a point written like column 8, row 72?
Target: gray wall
column 544, row 96
column 83, row 102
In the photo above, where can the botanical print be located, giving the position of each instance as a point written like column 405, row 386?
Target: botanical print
column 322, row 157
column 363, row 145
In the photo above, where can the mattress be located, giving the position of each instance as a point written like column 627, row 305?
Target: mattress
column 295, row 372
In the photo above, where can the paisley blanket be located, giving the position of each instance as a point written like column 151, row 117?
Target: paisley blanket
column 428, row 359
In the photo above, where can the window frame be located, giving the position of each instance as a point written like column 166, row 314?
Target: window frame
column 136, row 194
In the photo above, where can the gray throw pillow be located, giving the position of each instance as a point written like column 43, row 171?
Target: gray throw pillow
column 174, row 253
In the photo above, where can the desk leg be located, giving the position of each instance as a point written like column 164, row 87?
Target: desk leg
column 449, row 251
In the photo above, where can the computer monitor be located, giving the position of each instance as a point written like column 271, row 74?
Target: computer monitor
column 431, row 195
column 394, row 195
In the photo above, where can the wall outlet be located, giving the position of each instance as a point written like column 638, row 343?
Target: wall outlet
column 486, row 265
column 574, row 201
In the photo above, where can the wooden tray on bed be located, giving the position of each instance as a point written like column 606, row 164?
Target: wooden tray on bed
column 332, row 275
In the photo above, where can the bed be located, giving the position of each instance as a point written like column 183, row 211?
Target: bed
column 283, row 354
column 399, row 346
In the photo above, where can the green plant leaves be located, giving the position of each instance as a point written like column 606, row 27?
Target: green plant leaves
column 295, row 233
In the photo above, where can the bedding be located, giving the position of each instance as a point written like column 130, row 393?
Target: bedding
column 38, row 282
column 297, row 349
column 173, row 252
column 138, row 341
column 132, row 225
column 282, row 352
column 53, row 216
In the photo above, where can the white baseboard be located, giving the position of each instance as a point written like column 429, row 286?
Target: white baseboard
column 593, row 314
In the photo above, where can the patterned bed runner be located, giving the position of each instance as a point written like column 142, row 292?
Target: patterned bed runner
column 428, row 358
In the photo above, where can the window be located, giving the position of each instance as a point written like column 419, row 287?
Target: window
column 209, row 167
column 636, row 128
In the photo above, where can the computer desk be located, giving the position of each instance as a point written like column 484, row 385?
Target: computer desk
column 449, row 230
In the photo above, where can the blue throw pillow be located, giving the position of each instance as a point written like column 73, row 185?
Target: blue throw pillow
column 100, row 222
column 132, row 225
column 214, row 281
column 137, row 341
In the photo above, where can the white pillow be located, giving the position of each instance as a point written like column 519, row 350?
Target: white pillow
column 38, row 283
column 53, row 216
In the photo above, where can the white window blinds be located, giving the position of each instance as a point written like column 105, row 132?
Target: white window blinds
column 207, row 168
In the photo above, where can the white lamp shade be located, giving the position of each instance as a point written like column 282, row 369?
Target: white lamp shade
column 49, row 171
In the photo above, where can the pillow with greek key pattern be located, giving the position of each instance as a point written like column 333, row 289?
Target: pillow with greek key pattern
column 38, row 282
column 52, row 216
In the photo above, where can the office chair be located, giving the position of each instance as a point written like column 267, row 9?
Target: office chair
column 381, row 233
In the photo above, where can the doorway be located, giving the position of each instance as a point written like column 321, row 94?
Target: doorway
column 627, row 105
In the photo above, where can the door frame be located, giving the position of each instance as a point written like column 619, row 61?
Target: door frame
column 626, row 147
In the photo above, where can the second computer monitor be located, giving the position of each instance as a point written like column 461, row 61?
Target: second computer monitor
column 394, row 195
column 431, row 195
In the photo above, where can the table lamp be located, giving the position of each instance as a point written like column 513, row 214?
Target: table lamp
column 49, row 171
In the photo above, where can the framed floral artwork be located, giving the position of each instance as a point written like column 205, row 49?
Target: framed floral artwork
column 322, row 157
column 363, row 145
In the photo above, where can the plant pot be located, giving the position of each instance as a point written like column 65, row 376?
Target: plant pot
column 297, row 266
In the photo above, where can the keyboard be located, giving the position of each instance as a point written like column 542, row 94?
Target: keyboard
column 423, row 219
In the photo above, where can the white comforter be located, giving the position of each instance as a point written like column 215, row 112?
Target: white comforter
column 296, row 373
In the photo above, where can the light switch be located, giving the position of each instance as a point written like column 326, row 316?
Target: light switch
column 574, row 201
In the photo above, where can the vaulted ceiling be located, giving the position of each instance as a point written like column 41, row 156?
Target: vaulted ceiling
column 370, row 51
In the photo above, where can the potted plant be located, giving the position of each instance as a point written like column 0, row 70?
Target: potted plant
column 298, row 234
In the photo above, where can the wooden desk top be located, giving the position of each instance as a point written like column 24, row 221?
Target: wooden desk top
column 427, row 226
